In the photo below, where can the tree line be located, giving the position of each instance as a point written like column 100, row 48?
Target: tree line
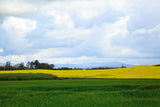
column 30, row 65
column 37, row 65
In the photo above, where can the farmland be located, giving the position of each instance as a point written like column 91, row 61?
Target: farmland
column 123, row 87
column 81, row 93
column 150, row 71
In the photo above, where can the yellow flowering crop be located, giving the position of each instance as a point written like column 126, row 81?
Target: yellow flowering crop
column 130, row 72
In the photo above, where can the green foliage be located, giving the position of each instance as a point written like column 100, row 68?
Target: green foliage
column 27, row 76
column 81, row 93
column 37, row 64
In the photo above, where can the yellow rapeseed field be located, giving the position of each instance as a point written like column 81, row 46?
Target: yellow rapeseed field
column 149, row 71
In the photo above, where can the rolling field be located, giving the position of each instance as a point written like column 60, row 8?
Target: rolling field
column 81, row 93
column 150, row 72
column 136, row 87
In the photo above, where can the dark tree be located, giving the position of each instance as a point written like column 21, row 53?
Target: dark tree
column 2, row 68
column 21, row 66
column 7, row 65
column 51, row 66
column 32, row 64
column 36, row 63
column 46, row 66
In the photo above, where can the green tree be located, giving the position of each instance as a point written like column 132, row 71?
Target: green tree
column 7, row 65
column 21, row 66
column 28, row 64
column 36, row 63
column 32, row 64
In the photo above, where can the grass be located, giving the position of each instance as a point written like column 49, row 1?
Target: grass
column 150, row 72
column 81, row 93
column 27, row 76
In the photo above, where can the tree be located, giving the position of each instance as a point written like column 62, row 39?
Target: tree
column 51, row 66
column 21, row 66
column 45, row 66
column 36, row 63
column 7, row 65
column 32, row 64
column 2, row 67
column 28, row 64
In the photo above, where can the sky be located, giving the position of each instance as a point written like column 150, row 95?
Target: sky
column 80, row 31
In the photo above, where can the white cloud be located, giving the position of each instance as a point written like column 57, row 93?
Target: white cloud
column 119, row 5
column 67, row 33
column 1, row 50
column 76, row 30
column 62, row 19
column 14, row 34
column 84, row 10
column 18, row 58
column 130, row 52
column 117, row 30
column 147, row 31
column 19, row 25
column 15, row 7
column 13, row 58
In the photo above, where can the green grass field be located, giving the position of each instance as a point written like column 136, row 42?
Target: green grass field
column 27, row 76
column 81, row 93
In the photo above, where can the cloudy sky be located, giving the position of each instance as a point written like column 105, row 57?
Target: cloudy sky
column 80, row 31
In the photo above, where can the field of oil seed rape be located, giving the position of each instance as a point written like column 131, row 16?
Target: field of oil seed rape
column 150, row 72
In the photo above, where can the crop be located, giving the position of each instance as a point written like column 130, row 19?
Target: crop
column 81, row 93
column 150, row 71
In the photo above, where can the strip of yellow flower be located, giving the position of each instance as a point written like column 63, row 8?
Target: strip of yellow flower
column 152, row 72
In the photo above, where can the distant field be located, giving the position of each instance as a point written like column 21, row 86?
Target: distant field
column 150, row 72
column 81, row 93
